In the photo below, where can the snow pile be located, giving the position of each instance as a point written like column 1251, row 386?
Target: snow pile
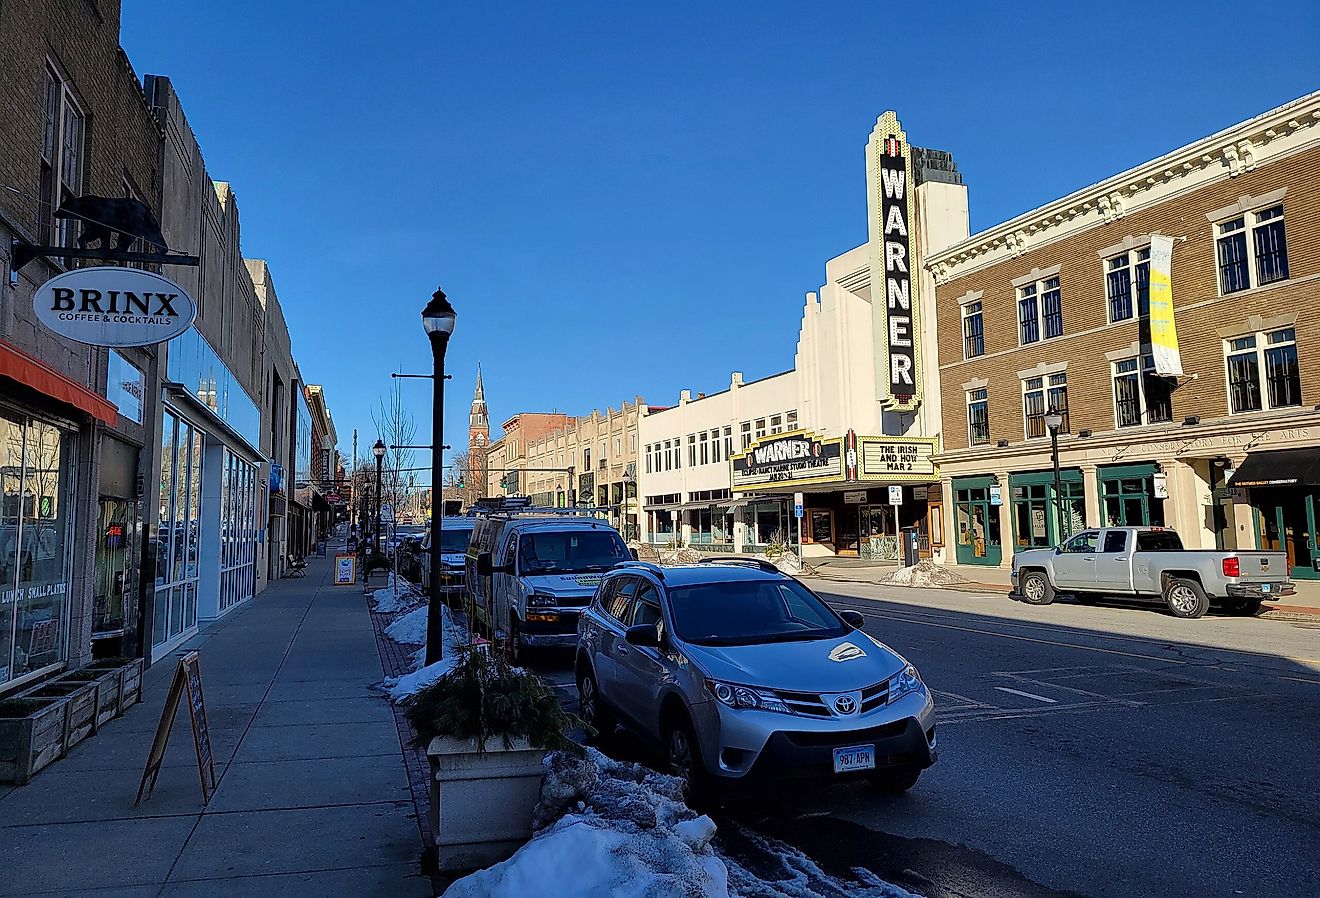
column 397, row 595
column 410, row 629
column 924, row 573
column 456, row 640
column 606, row 829
column 628, row 835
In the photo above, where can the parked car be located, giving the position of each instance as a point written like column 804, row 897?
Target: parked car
column 1150, row 563
column 742, row 675
column 455, row 537
column 529, row 575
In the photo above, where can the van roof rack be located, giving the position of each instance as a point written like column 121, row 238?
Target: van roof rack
column 759, row 563
column 644, row 565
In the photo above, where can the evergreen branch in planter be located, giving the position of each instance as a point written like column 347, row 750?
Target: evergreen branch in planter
column 484, row 697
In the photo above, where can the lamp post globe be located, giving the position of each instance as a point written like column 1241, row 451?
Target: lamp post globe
column 438, row 320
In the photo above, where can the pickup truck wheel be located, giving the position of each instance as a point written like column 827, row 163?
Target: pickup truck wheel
column 1036, row 588
column 1243, row 607
column 1186, row 598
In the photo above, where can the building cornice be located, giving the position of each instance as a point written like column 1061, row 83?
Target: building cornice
column 1228, row 153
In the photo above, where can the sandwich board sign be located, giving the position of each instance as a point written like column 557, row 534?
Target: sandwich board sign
column 345, row 569
column 187, row 683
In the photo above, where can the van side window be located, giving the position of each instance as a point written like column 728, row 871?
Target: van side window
column 622, row 598
column 510, row 551
column 1116, row 541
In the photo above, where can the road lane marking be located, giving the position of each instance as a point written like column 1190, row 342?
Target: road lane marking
column 911, row 613
column 1039, row 698
column 1299, row 680
column 1066, row 645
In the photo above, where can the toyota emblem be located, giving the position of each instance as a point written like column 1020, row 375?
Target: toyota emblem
column 844, row 704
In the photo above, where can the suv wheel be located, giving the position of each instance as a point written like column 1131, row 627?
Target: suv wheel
column 591, row 709
column 1185, row 598
column 1036, row 588
column 683, row 757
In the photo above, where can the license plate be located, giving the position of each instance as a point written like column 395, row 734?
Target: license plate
column 1265, row 587
column 856, row 757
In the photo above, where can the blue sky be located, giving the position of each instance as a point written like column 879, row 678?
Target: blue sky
column 626, row 199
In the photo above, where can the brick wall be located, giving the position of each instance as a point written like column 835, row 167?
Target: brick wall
column 1200, row 312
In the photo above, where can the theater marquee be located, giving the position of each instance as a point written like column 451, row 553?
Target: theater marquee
column 788, row 459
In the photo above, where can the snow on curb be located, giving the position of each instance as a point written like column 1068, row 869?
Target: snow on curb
column 410, row 629
column 397, row 595
column 924, row 573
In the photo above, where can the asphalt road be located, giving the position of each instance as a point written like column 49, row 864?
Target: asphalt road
column 1095, row 751
column 1113, row 751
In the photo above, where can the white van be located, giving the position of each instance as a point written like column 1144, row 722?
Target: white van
column 529, row 576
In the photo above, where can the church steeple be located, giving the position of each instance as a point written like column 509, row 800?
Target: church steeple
column 478, row 417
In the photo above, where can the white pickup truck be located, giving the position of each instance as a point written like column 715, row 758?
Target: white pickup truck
column 1150, row 563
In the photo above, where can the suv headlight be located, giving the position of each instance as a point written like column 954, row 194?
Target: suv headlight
column 904, row 683
column 736, row 696
column 541, row 600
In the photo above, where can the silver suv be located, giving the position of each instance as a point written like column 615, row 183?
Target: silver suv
column 742, row 674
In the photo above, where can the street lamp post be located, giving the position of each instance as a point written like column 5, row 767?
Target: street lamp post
column 1054, row 420
column 438, row 319
column 379, row 451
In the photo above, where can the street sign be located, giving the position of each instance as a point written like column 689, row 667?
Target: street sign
column 798, row 499
column 896, row 495
column 797, row 511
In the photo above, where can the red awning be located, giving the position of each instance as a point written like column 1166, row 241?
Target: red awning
column 19, row 366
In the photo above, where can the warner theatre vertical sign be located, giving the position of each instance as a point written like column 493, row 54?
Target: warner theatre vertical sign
column 894, row 277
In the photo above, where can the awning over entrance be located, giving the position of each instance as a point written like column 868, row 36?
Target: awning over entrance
column 1282, row 467
column 20, row 366
column 320, row 503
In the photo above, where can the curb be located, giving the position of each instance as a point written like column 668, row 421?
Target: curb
column 984, row 588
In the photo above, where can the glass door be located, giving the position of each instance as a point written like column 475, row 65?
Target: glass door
column 116, row 550
column 1286, row 522
column 977, row 521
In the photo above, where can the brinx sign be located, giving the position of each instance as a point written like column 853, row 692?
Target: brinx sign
column 107, row 306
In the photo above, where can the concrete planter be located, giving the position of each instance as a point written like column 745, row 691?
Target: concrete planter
column 32, row 733
column 108, row 684
column 80, row 720
column 482, row 802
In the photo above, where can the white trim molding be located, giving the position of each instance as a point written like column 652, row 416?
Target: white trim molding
column 970, row 296
column 1256, row 324
column 1037, row 274
column 1041, row 370
column 1128, row 245
column 1247, row 204
column 976, row 383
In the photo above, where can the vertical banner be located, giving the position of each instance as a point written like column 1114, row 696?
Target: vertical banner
column 895, row 273
column 1163, row 333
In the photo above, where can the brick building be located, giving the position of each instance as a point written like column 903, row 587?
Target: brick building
column 75, row 437
column 1051, row 311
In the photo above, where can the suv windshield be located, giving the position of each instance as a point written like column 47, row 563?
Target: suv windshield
column 751, row 611
column 454, row 540
column 571, row 552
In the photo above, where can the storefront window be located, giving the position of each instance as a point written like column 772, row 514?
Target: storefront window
column 1127, row 498
column 1036, row 513
column 178, row 543
column 36, row 476
column 238, row 531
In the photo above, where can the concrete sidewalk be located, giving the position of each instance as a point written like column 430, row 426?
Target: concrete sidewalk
column 313, row 797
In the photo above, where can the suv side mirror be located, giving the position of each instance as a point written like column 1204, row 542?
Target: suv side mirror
column 484, row 566
column 854, row 619
column 644, row 635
